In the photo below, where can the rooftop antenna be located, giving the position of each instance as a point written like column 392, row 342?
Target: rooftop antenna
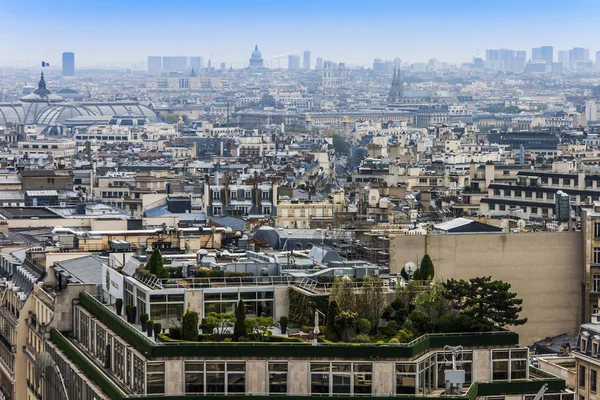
column 454, row 378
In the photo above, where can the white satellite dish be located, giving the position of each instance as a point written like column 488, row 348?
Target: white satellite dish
column 410, row 268
column 521, row 224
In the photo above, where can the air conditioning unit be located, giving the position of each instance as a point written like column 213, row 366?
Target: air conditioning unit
column 63, row 204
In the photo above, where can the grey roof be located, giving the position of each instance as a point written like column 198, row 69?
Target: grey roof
column 230, row 222
column 87, row 269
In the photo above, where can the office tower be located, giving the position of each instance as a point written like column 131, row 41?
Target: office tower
column 591, row 111
column 536, row 54
column 491, row 55
column 379, row 65
column 319, row 65
column 154, row 64
column 306, row 60
column 293, row 62
column 578, row 54
column 174, row 64
column 68, row 64
column 547, row 54
column 196, row 63
column 563, row 58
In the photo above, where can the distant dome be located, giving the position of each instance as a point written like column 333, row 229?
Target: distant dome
column 256, row 54
column 256, row 60
column 42, row 94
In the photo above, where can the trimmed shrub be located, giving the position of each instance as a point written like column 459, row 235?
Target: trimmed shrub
column 149, row 327
column 119, row 306
column 283, row 324
column 157, row 328
column 143, row 320
column 128, row 312
column 239, row 328
column 361, row 338
column 189, row 328
column 175, row 333
column 364, row 326
column 394, row 341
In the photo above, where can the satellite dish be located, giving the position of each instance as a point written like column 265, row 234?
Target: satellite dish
column 521, row 224
column 410, row 268
column 187, row 246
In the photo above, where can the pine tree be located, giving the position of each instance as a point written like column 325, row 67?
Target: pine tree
column 239, row 329
column 155, row 263
column 332, row 311
column 426, row 270
column 485, row 304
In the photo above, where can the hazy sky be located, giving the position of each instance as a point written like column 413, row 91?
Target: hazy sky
column 123, row 32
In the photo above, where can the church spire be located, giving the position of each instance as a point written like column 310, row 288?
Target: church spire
column 396, row 91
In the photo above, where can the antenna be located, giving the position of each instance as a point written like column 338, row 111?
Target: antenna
column 410, row 268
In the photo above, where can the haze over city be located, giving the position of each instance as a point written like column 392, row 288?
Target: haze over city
column 123, row 33
column 299, row 199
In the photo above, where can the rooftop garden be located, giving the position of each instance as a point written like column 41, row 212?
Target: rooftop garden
column 420, row 313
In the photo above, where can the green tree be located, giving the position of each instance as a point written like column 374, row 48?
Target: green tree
column 485, row 304
column 419, row 322
column 433, row 302
column 259, row 326
column 155, row 263
column 332, row 311
column 426, row 270
column 190, row 326
column 372, row 300
column 239, row 329
column 221, row 322
column 345, row 325
column 343, row 292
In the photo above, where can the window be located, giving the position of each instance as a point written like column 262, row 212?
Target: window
column 155, row 378
column 549, row 196
column 406, row 378
column 581, row 376
column 593, row 380
column 518, row 193
column 216, row 194
column 233, row 195
column 265, row 195
column 277, row 377
column 596, row 282
column 555, row 181
column 528, row 194
column 544, row 180
column 566, row 182
column 248, row 195
column 505, row 172
column 215, row 377
column 496, row 192
column 596, row 255
column 597, row 229
column 534, row 210
column 509, row 364
column 502, row 207
column 50, row 180
column 341, row 378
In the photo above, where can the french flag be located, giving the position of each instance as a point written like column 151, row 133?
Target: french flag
column 45, row 64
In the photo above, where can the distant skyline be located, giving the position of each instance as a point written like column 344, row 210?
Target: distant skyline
column 123, row 33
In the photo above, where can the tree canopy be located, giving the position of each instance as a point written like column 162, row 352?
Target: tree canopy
column 485, row 304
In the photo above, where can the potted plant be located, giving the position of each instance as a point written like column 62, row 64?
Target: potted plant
column 119, row 306
column 157, row 328
column 128, row 312
column 283, row 323
column 149, row 326
column 143, row 320
column 133, row 311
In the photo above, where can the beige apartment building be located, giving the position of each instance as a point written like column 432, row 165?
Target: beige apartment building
column 293, row 213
